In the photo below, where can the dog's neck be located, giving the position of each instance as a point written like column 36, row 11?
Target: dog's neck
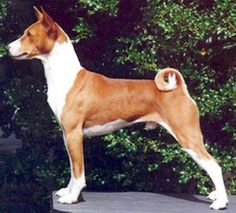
column 61, row 67
column 61, row 64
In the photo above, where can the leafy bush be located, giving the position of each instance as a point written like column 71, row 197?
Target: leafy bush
column 129, row 39
column 3, row 13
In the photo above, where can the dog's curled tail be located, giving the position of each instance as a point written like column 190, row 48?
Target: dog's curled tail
column 169, row 79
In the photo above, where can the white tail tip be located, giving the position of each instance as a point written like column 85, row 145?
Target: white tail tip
column 172, row 82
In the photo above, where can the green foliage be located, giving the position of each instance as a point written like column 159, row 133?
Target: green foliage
column 99, row 6
column 82, row 30
column 27, row 113
column 125, row 39
column 178, row 35
column 3, row 13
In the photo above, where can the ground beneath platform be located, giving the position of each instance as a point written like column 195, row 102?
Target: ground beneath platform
column 139, row 202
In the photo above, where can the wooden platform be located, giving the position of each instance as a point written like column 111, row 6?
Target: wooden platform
column 139, row 202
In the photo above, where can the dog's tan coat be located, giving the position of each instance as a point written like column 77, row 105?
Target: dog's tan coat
column 91, row 100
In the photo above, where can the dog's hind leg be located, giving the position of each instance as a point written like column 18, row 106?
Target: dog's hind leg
column 208, row 163
column 185, row 127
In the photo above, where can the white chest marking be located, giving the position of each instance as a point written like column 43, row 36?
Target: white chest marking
column 61, row 67
column 106, row 128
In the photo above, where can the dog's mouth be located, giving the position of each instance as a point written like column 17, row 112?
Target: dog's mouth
column 24, row 55
column 20, row 56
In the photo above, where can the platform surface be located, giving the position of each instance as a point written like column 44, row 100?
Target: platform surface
column 140, row 202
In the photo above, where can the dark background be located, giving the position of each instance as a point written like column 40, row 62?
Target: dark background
column 125, row 39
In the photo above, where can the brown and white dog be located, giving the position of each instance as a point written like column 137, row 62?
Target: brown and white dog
column 89, row 104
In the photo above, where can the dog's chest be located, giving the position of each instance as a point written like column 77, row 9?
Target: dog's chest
column 56, row 101
column 57, row 91
column 61, row 68
column 58, row 88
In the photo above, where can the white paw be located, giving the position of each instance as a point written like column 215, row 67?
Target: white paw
column 212, row 196
column 62, row 192
column 68, row 199
column 219, row 204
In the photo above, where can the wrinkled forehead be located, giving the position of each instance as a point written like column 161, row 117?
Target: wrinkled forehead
column 35, row 27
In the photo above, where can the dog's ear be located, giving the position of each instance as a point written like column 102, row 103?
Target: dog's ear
column 49, row 24
column 38, row 14
column 47, row 21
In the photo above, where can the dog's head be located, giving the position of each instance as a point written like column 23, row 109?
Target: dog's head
column 38, row 39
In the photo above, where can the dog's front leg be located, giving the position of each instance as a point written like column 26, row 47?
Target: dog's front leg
column 63, row 191
column 66, row 190
column 74, row 143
